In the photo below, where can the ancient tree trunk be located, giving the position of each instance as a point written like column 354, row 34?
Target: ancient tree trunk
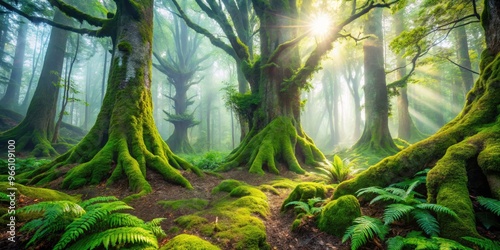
column 124, row 142
column 376, row 135
column 276, row 135
column 11, row 98
column 467, row 146
column 35, row 131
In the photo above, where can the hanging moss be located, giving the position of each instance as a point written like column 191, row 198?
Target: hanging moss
column 339, row 214
column 188, row 242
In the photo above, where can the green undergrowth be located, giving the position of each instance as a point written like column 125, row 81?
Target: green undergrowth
column 233, row 221
column 208, row 161
column 188, row 242
column 41, row 194
column 23, row 165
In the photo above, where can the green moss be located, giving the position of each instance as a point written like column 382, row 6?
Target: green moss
column 275, row 143
column 189, row 221
column 227, row 186
column 244, row 190
column 284, row 183
column 191, row 204
column 269, row 188
column 42, row 194
column 338, row 215
column 125, row 47
column 303, row 192
column 188, row 242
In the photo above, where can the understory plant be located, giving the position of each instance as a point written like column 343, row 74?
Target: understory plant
column 94, row 223
column 408, row 203
column 365, row 228
column 337, row 172
column 415, row 240
column 305, row 210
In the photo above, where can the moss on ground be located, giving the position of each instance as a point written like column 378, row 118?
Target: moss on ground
column 188, row 242
column 235, row 220
column 338, row 215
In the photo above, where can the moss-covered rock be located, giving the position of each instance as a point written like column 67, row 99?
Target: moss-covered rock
column 188, row 242
column 305, row 191
column 338, row 215
column 189, row 221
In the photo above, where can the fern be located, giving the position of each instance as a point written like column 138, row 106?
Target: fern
column 419, row 178
column 490, row 204
column 115, row 237
column 364, row 228
column 337, row 172
column 395, row 212
column 94, row 223
column 308, row 208
column 426, row 221
column 484, row 244
column 415, row 240
column 4, row 197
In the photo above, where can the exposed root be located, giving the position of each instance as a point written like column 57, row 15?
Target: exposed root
column 277, row 143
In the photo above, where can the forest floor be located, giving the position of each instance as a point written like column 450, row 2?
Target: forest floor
column 278, row 224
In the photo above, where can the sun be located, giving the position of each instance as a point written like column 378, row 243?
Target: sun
column 320, row 24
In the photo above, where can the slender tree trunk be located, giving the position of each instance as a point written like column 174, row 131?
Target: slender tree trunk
column 376, row 135
column 11, row 98
column 36, row 129
column 464, row 58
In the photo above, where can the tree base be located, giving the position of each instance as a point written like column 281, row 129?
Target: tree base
column 278, row 142
column 468, row 144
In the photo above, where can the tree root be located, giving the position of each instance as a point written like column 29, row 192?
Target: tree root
column 277, row 143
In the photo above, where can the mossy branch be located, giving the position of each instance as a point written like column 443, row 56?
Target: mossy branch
column 77, row 14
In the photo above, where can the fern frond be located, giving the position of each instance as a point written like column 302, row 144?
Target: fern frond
column 449, row 244
column 123, row 220
column 4, row 197
column 300, row 205
column 395, row 212
column 383, row 194
column 396, row 243
column 88, row 220
column 484, row 244
column 364, row 228
column 311, row 202
column 388, row 197
column 57, row 207
column 490, row 204
column 397, row 191
column 412, row 187
column 437, row 208
column 426, row 221
column 114, row 237
column 99, row 199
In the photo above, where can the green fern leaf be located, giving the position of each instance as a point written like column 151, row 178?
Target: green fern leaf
column 116, row 236
column 300, row 205
column 395, row 243
column 484, row 244
column 449, row 244
column 395, row 212
column 364, row 228
column 490, row 204
column 436, row 208
column 426, row 221
column 99, row 199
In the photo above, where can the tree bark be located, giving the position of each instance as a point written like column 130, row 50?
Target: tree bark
column 376, row 135
column 11, row 98
column 36, row 129
column 124, row 142
column 466, row 146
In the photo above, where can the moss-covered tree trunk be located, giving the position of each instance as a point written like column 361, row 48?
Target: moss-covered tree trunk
column 124, row 142
column 11, row 98
column 376, row 136
column 276, row 136
column 464, row 155
column 464, row 58
column 35, row 130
